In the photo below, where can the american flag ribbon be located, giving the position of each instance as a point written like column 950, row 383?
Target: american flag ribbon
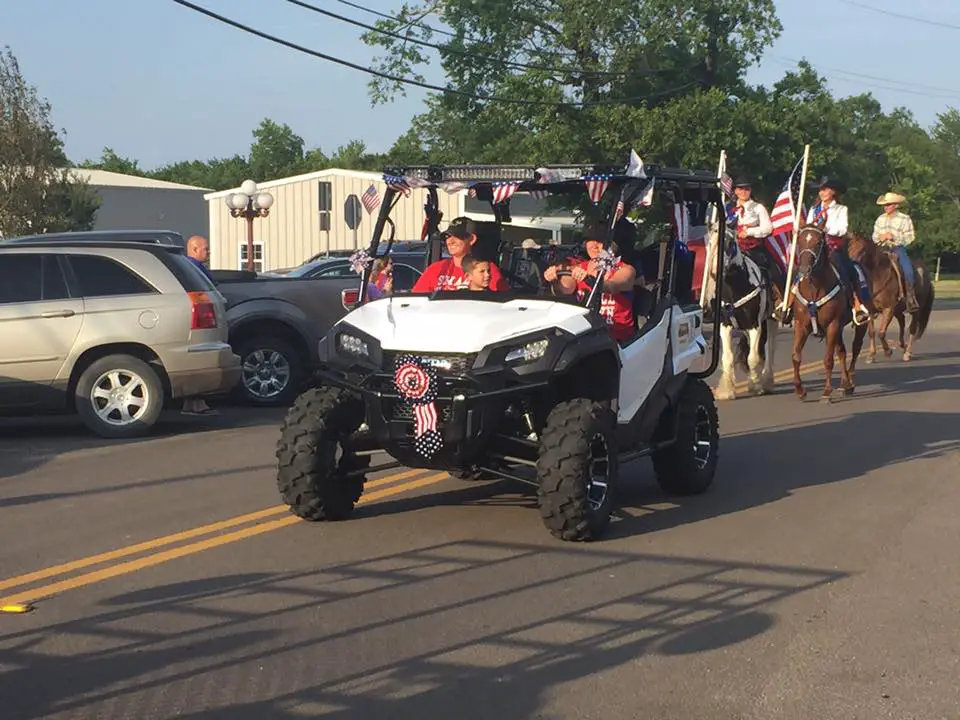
column 371, row 199
column 732, row 214
column 398, row 183
column 784, row 212
column 503, row 192
column 596, row 187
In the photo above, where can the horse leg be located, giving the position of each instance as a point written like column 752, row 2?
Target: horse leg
column 859, row 331
column 753, row 358
column 767, row 381
column 908, row 352
column 726, row 389
column 872, row 351
column 801, row 331
column 834, row 346
column 885, row 321
column 901, row 321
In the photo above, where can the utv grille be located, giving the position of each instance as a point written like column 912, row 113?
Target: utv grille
column 403, row 412
column 446, row 364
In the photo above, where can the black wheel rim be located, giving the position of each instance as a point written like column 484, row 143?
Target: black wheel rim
column 598, row 482
column 703, row 438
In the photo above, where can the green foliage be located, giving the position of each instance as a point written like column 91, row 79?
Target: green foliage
column 37, row 193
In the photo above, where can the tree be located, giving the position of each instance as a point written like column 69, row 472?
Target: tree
column 277, row 151
column 111, row 162
column 38, row 193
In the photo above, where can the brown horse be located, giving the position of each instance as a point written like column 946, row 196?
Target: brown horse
column 888, row 296
column 821, row 306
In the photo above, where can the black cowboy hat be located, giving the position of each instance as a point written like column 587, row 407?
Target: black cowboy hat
column 833, row 183
column 743, row 182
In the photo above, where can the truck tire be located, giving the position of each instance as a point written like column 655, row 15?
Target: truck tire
column 687, row 466
column 579, row 437
column 119, row 396
column 312, row 466
column 276, row 361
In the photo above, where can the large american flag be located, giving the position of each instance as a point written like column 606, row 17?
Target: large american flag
column 782, row 217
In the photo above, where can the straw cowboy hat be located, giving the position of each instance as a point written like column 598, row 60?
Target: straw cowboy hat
column 891, row 198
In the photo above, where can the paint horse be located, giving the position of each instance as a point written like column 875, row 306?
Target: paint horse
column 888, row 296
column 744, row 304
column 822, row 306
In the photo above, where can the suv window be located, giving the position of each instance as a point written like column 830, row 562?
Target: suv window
column 404, row 277
column 30, row 278
column 104, row 277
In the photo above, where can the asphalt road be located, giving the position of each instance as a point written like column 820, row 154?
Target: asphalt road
column 817, row 579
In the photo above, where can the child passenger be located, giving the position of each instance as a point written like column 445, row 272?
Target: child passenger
column 478, row 273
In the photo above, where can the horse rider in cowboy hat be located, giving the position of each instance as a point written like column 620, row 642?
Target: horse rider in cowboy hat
column 893, row 231
column 833, row 219
column 753, row 229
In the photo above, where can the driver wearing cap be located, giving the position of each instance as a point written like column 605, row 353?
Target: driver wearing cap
column 448, row 273
column 616, row 303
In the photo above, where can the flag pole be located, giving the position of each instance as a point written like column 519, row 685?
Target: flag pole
column 710, row 247
column 796, row 227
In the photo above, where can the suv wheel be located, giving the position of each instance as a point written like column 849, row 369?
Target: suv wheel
column 271, row 371
column 119, row 396
column 577, row 469
column 688, row 465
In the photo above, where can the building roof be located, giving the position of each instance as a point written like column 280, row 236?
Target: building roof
column 360, row 174
column 105, row 178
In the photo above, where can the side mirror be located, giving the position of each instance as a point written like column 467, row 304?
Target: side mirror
column 349, row 298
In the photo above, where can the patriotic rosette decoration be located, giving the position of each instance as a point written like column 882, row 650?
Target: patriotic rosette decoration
column 417, row 384
column 360, row 261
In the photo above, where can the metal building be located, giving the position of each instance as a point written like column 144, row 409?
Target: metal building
column 130, row 202
column 310, row 212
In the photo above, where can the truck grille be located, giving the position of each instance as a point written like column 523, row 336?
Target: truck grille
column 446, row 364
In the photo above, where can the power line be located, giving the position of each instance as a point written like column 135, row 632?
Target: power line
column 938, row 92
column 431, row 28
column 901, row 16
column 418, row 83
column 468, row 53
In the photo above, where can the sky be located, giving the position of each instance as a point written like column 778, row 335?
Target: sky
column 160, row 83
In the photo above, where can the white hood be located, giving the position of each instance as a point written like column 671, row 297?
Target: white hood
column 460, row 326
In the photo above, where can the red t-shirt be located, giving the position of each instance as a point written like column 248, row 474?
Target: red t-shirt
column 615, row 308
column 445, row 274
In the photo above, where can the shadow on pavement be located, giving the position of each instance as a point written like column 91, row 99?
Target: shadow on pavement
column 292, row 645
column 28, row 443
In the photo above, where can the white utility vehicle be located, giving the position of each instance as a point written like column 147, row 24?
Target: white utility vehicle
column 522, row 384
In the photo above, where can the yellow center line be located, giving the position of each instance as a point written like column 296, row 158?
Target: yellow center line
column 786, row 374
column 131, row 566
column 174, row 538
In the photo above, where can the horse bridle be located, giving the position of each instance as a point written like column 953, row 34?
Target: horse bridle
column 817, row 254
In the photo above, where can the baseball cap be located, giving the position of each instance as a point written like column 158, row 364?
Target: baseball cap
column 461, row 227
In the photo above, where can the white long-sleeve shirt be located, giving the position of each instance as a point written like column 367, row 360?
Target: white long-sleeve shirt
column 837, row 221
column 755, row 217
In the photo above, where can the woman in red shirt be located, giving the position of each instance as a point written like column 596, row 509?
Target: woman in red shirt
column 616, row 303
column 448, row 274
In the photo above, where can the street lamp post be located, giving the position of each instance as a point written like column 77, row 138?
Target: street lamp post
column 249, row 203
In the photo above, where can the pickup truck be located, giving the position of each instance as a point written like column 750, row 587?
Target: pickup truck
column 277, row 321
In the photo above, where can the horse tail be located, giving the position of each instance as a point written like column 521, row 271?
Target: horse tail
column 919, row 322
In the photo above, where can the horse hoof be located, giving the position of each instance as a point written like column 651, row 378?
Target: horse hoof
column 907, row 357
column 848, row 391
column 801, row 394
column 870, row 360
column 888, row 352
column 826, row 399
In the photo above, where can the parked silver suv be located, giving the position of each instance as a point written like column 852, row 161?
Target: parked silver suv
column 110, row 330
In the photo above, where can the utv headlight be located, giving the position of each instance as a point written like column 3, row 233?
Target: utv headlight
column 528, row 352
column 352, row 345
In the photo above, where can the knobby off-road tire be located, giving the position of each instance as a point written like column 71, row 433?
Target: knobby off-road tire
column 311, row 478
column 564, row 469
column 687, row 467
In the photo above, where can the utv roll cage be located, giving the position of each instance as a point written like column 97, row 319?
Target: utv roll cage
column 694, row 190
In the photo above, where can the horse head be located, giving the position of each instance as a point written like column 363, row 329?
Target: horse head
column 811, row 250
column 862, row 249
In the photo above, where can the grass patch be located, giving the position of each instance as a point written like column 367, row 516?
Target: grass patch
column 947, row 288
